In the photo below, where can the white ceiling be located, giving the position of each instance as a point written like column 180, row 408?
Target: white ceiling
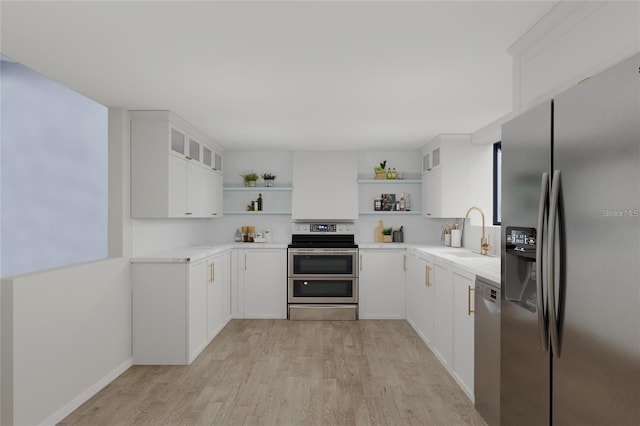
column 284, row 75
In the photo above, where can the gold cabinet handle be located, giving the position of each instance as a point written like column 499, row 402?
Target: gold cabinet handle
column 213, row 272
column 245, row 262
column 187, row 157
column 426, row 276
column 188, row 213
column 404, row 262
column 360, row 263
column 469, row 290
column 427, row 280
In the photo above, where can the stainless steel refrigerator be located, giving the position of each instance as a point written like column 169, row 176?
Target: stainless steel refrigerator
column 570, row 324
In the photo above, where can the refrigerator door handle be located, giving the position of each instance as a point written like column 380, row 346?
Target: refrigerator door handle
column 551, row 285
column 542, row 214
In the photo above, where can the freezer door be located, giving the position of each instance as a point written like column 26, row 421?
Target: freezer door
column 524, row 364
column 596, row 149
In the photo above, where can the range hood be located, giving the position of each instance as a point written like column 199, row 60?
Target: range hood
column 325, row 186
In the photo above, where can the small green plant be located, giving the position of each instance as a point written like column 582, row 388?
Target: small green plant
column 268, row 176
column 387, row 231
column 250, row 177
column 382, row 166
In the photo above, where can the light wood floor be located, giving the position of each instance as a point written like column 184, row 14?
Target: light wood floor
column 278, row 372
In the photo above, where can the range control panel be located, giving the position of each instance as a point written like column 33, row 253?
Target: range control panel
column 322, row 228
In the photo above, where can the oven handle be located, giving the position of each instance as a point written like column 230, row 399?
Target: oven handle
column 323, row 251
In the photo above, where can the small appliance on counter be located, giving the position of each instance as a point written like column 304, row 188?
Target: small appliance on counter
column 248, row 234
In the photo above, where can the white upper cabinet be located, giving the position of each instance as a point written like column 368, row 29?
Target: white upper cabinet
column 456, row 175
column 325, row 185
column 173, row 168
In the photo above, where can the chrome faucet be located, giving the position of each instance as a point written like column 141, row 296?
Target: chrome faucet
column 484, row 244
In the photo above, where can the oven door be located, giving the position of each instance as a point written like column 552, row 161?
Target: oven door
column 323, row 290
column 311, row 263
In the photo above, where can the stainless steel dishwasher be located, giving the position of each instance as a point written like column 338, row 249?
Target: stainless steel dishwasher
column 487, row 350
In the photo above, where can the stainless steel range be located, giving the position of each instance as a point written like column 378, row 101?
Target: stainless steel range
column 322, row 272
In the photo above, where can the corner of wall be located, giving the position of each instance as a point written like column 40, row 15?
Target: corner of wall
column 120, row 240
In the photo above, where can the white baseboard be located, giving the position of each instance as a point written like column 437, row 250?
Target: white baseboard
column 68, row 408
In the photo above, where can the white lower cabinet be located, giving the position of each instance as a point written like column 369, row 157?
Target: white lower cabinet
column 381, row 284
column 426, row 300
column 412, row 281
column 176, row 310
column 439, row 307
column 419, row 296
column 260, row 283
column 443, row 314
column 197, row 309
column 218, row 293
column 463, row 334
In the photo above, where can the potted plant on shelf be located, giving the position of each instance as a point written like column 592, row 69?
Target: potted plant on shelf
column 380, row 170
column 387, row 235
column 268, row 179
column 250, row 179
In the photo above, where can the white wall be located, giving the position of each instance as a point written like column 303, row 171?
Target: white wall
column 66, row 332
column 156, row 235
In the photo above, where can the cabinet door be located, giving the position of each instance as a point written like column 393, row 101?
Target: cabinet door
column 443, row 321
column 412, row 281
column 207, row 156
column 197, row 308
column 195, row 150
column 178, row 206
column 426, row 162
column 224, row 268
column 214, row 191
column 178, row 142
column 381, row 284
column 432, row 190
column 197, row 183
column 217, row 294
column 463, row 334
column 425, row 301
column 435, row 157
column 217, row 161
column 264, row 283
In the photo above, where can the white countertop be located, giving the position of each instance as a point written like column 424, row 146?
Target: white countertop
column 195, row 253
column 464, row 259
